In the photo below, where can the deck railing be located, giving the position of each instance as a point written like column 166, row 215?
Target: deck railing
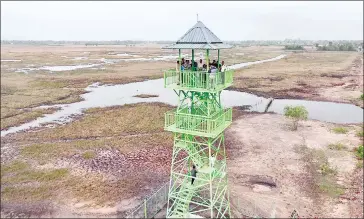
column 198, row 79
column 198, row 124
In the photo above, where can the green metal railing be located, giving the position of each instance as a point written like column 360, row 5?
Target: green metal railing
column 198, row 79
column 151, row 205
column 197, row 124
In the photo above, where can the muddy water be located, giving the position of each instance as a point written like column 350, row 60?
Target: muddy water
column 104, row 96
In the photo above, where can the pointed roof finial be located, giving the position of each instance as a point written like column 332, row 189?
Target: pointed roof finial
column 197, row 17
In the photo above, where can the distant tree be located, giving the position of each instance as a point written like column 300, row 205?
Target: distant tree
column 293, row 47
column 295, row 113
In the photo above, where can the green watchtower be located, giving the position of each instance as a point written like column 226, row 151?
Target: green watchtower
column 198, row 124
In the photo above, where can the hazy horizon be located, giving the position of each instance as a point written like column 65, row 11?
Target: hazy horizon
column 168, row 21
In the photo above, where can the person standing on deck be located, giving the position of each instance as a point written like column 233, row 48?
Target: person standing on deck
column 223, row 66
column 181, row 72
column 200, row 65
column 178, row 68
column 193, row 174
column 223, row 69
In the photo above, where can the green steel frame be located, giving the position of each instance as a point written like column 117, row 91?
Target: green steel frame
column 198, row 128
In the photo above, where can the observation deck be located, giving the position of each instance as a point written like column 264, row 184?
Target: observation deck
column 197, row 123
column 199, row 81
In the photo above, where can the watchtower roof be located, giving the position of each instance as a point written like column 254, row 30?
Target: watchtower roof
column 199, row 37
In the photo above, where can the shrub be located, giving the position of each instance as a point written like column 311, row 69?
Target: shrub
column 296, row 113
column 360, row 133
column 340, row 130
column 338, row 47
column 360, row 152
column 293, row 47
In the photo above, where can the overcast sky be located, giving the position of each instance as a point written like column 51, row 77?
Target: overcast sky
column 71, row 20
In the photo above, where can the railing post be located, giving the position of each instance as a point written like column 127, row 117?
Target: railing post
column 145, row 208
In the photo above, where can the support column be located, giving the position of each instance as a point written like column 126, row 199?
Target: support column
column 218, row 57
column 210, row 177
column 193, row 60
column 207, row 58
column 179, row 58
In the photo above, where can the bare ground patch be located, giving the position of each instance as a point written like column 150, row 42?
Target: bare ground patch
column 294, row 170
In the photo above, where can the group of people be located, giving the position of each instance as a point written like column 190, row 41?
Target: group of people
column 200, row 66
column 211, row 69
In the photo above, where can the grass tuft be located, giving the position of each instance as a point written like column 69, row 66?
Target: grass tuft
column 326, row 169
column 360, row 152
column 331, row 188
column 88, row 155
column 337, row 146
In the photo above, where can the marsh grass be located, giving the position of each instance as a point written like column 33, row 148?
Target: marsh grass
column 25, row 116
column 16, row 174
column 48, row 151
column 130, row 119
column 146, row 95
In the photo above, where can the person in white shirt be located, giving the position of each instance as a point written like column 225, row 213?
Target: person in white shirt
column 223, row 69
column 223, row 66
column 200, row 65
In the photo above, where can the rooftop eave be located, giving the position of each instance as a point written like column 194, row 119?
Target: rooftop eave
column 197, row 46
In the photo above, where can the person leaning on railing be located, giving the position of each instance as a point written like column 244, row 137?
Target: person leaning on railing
column 223, row 68
column 179, row 71
column 204, row 73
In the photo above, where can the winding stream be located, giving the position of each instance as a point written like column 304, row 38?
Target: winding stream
column 104, row 96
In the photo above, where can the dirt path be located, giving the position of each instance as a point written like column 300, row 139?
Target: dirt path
column 271, row 173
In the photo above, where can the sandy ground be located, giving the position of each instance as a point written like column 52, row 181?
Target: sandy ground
column 270, row 176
